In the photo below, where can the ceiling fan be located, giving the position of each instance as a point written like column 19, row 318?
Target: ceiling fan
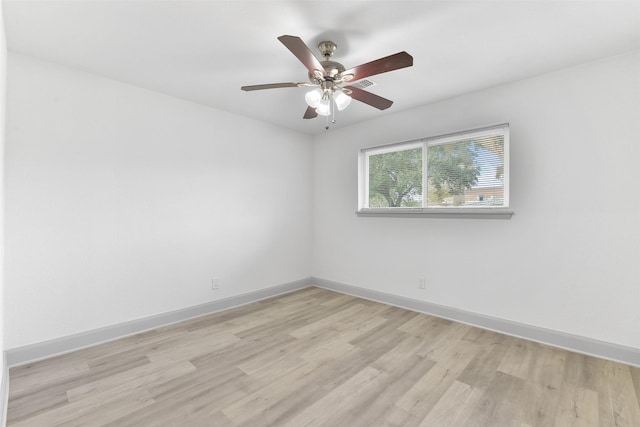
column 328, row 78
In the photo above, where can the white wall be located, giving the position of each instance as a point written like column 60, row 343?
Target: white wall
column 3, row 85
column 124, row 203
column 568, row 260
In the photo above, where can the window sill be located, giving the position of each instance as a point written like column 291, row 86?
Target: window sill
column 471, row 213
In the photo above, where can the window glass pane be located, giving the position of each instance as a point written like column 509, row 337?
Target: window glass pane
column 468, row 172
column 395, row 179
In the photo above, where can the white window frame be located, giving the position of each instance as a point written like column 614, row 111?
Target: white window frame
column 499, row 212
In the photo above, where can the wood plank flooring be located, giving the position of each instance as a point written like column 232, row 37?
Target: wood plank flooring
column 320, row 358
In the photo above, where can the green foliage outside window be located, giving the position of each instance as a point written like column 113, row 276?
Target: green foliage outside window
column 451, row 169
column 395, row 178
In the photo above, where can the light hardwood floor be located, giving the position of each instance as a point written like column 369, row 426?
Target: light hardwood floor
column 320, row 358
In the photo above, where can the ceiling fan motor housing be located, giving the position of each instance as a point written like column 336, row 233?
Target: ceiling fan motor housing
column 332, row 68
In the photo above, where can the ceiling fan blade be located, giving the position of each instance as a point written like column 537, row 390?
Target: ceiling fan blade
column 310, row 113
column 369, row 98
column 379, row 66
column 303, row 53
column 271, row 86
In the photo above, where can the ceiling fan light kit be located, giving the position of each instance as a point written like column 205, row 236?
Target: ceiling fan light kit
column 327, row 77
column 342, row 100
column 313, row 97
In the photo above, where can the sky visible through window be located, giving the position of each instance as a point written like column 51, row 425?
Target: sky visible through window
column 489, row 163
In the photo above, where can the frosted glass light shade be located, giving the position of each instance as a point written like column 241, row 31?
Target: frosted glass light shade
column 313, row 97
column 342, row 100
column 324, row 108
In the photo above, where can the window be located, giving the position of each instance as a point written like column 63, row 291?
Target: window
column 462, row 172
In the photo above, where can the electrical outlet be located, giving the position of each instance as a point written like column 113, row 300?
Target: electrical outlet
column 214, row 284
column 421, row 282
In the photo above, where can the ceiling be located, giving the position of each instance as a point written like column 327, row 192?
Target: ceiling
column 203, row 51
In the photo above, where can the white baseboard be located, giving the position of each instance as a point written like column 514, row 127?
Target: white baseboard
column 31, row 353
column 575, row 343
column 4, row 392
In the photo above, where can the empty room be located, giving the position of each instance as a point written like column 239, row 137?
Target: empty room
column 292, row 213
